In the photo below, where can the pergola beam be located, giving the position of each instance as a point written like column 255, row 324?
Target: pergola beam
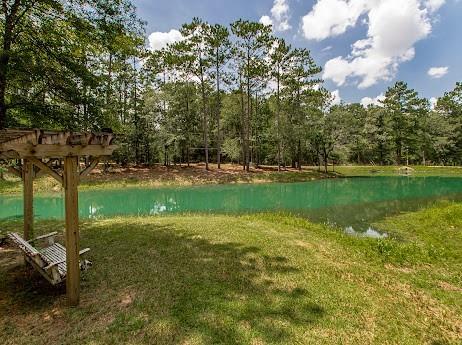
column 89, row 168
column 57, row 150
column 45, row 168
column 7, row 155
column 41, row 172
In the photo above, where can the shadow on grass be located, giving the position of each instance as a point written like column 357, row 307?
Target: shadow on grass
column 171, row 287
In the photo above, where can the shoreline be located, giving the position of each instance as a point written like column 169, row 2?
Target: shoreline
column 195, row 175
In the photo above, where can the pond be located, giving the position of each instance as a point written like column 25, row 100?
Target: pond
column 351, row 203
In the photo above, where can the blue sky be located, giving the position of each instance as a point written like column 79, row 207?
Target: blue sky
column 363, row 45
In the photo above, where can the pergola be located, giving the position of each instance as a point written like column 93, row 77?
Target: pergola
column 39, row 150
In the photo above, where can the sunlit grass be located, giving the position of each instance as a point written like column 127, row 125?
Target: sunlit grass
column 255, row 279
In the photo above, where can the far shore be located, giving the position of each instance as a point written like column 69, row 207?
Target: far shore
column 195, row 174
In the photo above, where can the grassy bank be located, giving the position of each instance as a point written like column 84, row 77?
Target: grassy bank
column 247, row 280
column 196, row 175
column 172, row 176
column 421, row 171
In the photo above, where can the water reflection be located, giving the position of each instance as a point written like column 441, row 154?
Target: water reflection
column 94, row 211
column 368, row 233
column 353, row 203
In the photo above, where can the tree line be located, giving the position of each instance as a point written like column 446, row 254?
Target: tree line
column 221, row 94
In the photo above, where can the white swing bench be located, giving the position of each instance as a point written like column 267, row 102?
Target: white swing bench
column 50, row 260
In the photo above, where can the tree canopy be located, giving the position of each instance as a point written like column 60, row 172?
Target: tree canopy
column 222, row 93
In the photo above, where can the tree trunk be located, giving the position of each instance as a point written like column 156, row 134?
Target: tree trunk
column 182, row 155
column 165, row 155
column 218, row 110
column 247, row 118
column 256, row 145
column 299, row 154
column 325, row 159
column 205, row 117
column 278, row 116
column 242, row 120
column 135, row 112
column 188, row 139
column 109, row 82
column 398, row 153
column 8, row 28
column 4, row 61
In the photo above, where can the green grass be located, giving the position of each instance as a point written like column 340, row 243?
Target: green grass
column 256, row 279
column 422, row 171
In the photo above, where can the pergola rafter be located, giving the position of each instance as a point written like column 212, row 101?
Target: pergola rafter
column 33, row 147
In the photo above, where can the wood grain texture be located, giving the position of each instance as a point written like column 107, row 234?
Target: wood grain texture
column 71, row 181
column 56, row 150
column 28, row 195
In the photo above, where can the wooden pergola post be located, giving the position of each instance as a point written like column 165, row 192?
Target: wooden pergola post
column 71, row 182
column 28, row 193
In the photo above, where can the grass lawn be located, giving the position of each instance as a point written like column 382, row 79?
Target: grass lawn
column 257, row 279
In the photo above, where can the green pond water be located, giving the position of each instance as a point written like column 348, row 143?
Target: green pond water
column 351, row 203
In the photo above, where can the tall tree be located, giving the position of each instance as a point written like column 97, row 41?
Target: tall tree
column 250, row 49
column 279, row 55
column 300, row 94
column 402, row 105
column 195, row 44
column 218, row 46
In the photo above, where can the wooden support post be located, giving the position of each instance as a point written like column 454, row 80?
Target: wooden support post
column 28, row 194
column 71, row 181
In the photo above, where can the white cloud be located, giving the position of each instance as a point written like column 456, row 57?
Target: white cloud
column 338, row 70
column 437, row 72
column 266, row 20
column 433, row 102
column 394, row 26
column 331, row 18
column 434, row 5
column 336, row 99
column 366, row 101
column 279, row 16
column 159, row 40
